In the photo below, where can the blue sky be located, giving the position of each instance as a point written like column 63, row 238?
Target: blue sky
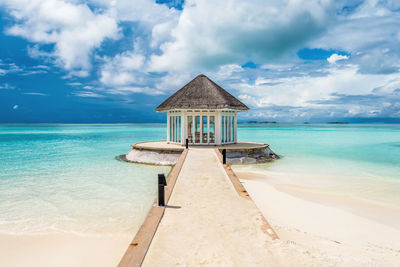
column 104, row 61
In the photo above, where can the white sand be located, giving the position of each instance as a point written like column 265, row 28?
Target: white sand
column 319, row 229
column 61, row 250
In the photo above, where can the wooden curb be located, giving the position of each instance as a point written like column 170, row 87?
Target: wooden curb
column 266, row 227
column 140, row 244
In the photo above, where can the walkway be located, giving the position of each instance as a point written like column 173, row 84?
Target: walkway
column 206, row 222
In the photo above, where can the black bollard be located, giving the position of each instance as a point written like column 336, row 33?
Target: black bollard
column 187, row 143
column 161, row 192
column 161, row 195
column 161, row 179
column 224, row 156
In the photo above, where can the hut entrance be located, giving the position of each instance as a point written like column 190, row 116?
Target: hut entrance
column 201, row 129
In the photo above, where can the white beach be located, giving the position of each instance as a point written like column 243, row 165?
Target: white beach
column 62, row 250
column 322, row 229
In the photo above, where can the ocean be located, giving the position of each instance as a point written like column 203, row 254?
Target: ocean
column 67, row 178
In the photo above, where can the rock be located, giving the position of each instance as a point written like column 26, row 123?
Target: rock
column 255, row 156
column 152, row 157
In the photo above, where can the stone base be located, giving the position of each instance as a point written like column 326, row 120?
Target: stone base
column 257, row 156
column 152, row 157
column 163, row 153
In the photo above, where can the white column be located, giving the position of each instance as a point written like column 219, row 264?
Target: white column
column 208, row 129
column 177, row 129
column 201, row 128
column 235, row 128
column 175, row 126
column 183, row 128
column 168, row 127
column 172, row 128
column 218, row 128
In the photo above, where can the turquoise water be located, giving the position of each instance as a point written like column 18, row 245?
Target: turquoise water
column 65, row 178
column 359, row 160
column 375, row 149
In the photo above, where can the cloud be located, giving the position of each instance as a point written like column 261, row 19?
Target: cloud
column 214, row 33
column 339, row 92
column 15, row 107
column 88, row 94
column 12, row 68
column 120, row 70
column 379, row 61
column 7, row 86
column 75, row 84
column 144, row 11
column 35, row 93
column 7, row 67
column 128, row 90
column 370, row 33
column 335, row 57
column 74, row 30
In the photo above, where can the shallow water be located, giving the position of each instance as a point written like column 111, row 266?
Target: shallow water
column 356, row 160
column 65, row 178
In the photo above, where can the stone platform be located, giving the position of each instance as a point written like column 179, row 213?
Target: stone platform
column 164, row 153
column 165, row 146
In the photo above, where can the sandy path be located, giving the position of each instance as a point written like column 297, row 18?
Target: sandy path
column 207, row 223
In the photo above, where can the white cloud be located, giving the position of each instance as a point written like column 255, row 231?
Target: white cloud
column 335, row 57
column 174, row 80
column 15, row 107
column 303, row 90
column 228, row 71
column 6, row 68
column 88, row 94
column 161, row 33
column 35, row 93
column 369, row 34
column 74, row 29
column 128, row 90
column 144, row 11
column 214, row 33
column 75, row 84
column 121, row 69
column 7, row 86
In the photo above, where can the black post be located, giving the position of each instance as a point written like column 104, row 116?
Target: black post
column 161, row 179
column 224, row 156
column 161, row 193
column 187, row 143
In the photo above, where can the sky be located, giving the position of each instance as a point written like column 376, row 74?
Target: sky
column 106, row 61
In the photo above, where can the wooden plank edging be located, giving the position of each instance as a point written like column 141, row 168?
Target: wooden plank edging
column 140, row 244
column 266, row 227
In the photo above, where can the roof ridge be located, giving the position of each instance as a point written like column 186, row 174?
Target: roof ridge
column 221, row 90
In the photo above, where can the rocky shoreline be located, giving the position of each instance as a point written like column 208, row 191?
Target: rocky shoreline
column 254, row 156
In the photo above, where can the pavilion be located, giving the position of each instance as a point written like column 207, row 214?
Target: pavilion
column 202, row 112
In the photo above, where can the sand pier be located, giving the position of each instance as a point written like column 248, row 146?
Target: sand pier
column 209, row 219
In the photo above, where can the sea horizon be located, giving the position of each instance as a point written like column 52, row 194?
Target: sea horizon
column 164, row 123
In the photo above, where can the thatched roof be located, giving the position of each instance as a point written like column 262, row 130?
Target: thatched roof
column 201, row 93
